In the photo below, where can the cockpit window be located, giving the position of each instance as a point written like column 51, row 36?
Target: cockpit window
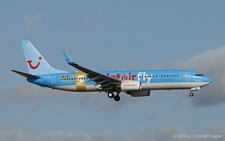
column 199, row 74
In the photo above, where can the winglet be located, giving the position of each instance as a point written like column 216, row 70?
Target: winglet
column 67, row 57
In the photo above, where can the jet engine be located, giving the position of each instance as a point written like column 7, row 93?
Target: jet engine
column 130, row 85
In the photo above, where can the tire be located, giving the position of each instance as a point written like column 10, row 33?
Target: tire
column 110, row 94
column 117, row 98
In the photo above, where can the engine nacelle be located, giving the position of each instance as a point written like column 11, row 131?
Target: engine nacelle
column 128, row 85
column 139, row 93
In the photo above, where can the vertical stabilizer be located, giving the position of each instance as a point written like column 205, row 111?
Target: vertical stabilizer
column 36, row 63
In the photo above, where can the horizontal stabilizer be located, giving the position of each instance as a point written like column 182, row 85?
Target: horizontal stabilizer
column 27, row 75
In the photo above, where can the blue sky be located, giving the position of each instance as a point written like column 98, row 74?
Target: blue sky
column 112, row 35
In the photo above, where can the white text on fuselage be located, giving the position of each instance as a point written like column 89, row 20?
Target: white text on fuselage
column 141, row 76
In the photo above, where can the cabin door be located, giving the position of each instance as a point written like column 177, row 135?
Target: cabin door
column 187, row 76
column 53, row 80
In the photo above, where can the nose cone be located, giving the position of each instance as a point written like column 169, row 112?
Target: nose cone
column 206, row 79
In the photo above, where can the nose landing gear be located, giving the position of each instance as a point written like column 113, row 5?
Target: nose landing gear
column 194, row 89
column 191, row 94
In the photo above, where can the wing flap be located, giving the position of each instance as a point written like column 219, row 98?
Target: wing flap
column 94, row 78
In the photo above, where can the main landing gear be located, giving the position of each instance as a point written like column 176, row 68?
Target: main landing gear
column 110, row 94
column 116, row 97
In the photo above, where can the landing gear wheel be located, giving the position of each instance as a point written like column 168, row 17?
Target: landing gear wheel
column 117, row 98
column 110, row 94
column 191, row 94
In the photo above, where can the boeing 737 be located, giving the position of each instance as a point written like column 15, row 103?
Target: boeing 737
column 136, row 83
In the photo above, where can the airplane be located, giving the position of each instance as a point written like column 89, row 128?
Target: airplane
column 136, row 83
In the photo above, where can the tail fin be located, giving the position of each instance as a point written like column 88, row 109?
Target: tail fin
column 35, row 61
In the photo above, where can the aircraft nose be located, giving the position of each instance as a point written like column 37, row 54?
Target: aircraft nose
column 208, row 80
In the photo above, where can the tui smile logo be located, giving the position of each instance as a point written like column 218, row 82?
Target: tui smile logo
column 36, row 66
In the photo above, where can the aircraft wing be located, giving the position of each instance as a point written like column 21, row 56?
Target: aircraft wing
column 100, row 79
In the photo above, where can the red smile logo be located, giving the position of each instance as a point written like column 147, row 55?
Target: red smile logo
column 36, row 66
